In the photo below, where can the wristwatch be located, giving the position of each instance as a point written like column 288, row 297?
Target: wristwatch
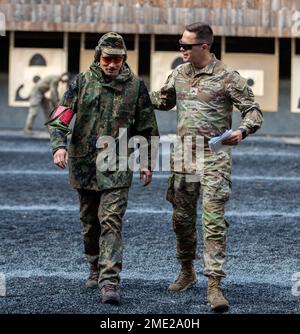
column 244, row 132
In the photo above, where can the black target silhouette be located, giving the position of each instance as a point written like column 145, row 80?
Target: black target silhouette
column 36, row 60
column 250, row 82
column 35, row 79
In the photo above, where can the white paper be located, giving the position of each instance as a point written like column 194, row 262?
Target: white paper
column 215, row 144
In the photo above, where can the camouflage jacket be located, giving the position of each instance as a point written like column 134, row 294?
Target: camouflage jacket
column 102, row 107
column 205, row 98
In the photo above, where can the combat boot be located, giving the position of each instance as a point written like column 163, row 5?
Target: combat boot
column 110, row 294
column 92, row 281
column 186, row 278
column 215, row 297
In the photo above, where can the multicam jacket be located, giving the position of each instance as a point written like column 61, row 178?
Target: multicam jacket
column 102, row 107
column 205, row 98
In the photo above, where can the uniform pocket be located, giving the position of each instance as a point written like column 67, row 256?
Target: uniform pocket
column 224, row 190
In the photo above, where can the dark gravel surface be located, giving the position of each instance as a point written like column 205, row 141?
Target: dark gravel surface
column 41, row 251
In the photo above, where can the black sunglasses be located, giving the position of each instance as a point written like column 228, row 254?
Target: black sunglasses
column 188, row 46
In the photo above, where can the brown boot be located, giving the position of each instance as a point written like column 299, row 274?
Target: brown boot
column 92, row 281
column 186, row 278
column 215, row 297
column 110, row 294
column 27, row 131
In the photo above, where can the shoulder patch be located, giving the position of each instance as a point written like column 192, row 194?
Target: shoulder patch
column 239, row 82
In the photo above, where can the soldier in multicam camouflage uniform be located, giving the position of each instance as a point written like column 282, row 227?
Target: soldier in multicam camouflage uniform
column 38, row 101
column 204, row 91
column 105, row 98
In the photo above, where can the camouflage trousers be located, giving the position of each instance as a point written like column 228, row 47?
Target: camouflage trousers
column 215, row 184
column 38, row 103
column 101, row 216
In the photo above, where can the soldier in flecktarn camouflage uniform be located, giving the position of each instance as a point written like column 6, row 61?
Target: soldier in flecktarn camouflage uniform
column 104, row 99
column 204, row 91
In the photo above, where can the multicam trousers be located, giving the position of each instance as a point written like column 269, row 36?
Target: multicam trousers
column 101, row 216
column 216, row 188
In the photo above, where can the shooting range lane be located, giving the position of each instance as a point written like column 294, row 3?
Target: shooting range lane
column 41, row 250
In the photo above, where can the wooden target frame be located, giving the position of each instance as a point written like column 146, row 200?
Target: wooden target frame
column 28, row 65
column 295, row 79
column 264, row 68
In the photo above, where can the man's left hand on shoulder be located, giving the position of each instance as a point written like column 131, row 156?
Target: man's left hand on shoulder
column 235, row 138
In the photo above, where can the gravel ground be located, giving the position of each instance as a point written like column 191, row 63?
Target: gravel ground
column 41, row 251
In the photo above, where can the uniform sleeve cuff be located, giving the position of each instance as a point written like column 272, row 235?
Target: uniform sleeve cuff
column 244, row 132
column 57, row 148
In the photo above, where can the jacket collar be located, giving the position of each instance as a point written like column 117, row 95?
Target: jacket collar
column 208, row 69
column 117, row 84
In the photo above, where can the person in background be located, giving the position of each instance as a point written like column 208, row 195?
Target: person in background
column 38, row 101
